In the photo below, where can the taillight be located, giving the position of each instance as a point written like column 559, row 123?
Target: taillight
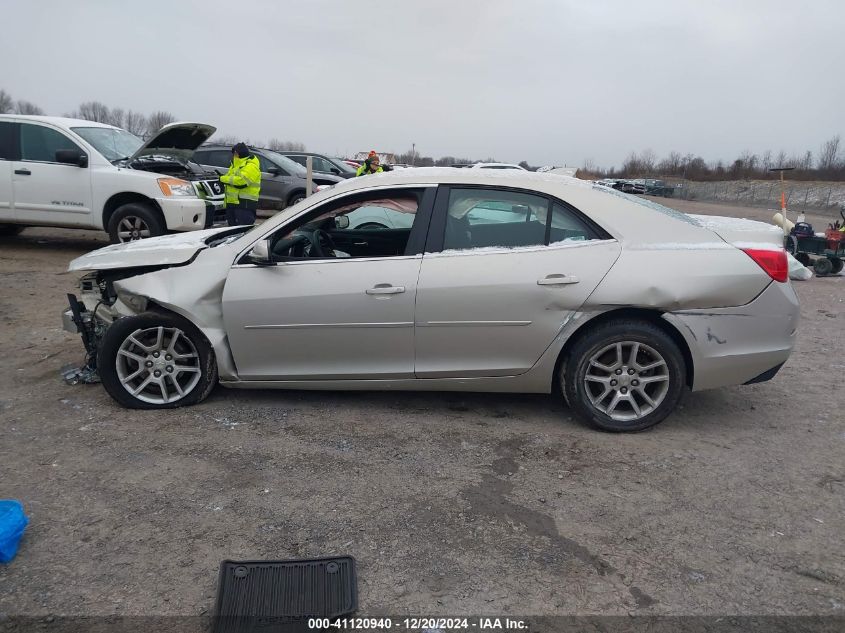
column 772, row 261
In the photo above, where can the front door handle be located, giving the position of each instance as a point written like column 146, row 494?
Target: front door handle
column 385, row 289
column 558, row 280
column 23, row 172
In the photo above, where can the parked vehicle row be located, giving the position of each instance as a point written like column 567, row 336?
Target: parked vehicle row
column 647, row 186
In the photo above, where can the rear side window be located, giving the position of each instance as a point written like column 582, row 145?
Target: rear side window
column 484, row 218
column 41, row 143
column 566, row 225
column 7, row 140
column 297, row 159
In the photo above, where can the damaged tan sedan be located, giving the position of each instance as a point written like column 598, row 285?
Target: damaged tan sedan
column 484, row 281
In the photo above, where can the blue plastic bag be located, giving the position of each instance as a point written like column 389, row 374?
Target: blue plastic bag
column 13, row 522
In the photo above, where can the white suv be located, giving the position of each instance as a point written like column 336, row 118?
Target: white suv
column 82, row 174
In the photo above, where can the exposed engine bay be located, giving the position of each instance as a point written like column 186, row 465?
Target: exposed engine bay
column 206, row 181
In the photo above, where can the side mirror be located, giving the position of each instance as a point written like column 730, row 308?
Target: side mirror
column 260, row 254
column 275, row 171
column 341, row 222
column 71, row 157
column 335, row 171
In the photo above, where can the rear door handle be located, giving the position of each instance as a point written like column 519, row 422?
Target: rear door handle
column 385, row 289
column 558, row 280
column 23, row 172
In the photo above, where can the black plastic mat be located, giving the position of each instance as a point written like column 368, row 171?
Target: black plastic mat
column 283, row 595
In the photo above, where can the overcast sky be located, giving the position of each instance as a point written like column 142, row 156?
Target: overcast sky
column 547, row 81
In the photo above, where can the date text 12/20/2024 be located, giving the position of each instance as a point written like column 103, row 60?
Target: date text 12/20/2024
column 418, row 624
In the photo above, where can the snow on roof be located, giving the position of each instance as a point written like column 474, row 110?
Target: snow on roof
column 55, row 120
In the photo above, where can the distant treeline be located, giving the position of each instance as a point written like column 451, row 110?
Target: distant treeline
column 828, row 163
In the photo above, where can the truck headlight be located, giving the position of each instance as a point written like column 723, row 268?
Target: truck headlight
column 176, row 187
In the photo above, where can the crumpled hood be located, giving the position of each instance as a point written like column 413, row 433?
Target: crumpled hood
column 166, row 250
column 176, row 139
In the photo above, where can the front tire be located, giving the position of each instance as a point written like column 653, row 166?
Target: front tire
column 295, row 198
column 135, row 221
column 623, row 375
column 156, row 361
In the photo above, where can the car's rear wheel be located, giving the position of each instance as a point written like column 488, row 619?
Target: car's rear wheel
column 8, row 230
column 837, row 266
column 297, row 197
column 156, row 361
column 624, row 375
column 135, row 221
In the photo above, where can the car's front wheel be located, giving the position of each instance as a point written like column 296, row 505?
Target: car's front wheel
column 624, row 375
column 156, row 361
column 135, row 221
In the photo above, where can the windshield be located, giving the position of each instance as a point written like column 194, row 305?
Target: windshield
column 110, row 142
column 343, row 167
column 285, row 163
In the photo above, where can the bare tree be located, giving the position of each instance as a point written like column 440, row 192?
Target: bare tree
column 93, row 111
column 27, row 107
column 158, row 120
column 135, row 122
column 6, row 103
column 116, row 117
column 829, row 155
column 285, row 146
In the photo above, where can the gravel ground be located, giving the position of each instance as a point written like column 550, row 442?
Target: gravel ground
column 451, row 503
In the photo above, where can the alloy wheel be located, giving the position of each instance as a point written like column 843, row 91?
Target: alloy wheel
column 158, row 365
column 132, row 228
column 626, row 380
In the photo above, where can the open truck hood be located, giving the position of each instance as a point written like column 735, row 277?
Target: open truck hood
column 179, row 139
column 166, row 250
column 742, row 233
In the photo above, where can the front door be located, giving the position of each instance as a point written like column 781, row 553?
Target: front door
column 506, row 279
column 46, row 191
column 321, row 312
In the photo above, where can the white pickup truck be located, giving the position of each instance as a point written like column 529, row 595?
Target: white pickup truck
column 82, row 174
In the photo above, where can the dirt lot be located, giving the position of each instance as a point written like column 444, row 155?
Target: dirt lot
column 451, row 503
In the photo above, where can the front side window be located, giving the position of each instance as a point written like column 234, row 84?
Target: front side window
column 485, row 218
column 359, row 226
column 40, row 143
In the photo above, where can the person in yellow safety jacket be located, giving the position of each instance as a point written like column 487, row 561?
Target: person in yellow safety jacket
column 243, row 183
column 370, row 166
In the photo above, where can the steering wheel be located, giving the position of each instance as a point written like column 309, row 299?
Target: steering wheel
column 320, row 239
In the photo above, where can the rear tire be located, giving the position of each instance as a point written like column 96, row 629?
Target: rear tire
column 837, row 266
column 296, row 197
column 823, row 266
column 10, row 230
column 623, row 375
column 804, row 259
column 135, row 221
column 156, row 361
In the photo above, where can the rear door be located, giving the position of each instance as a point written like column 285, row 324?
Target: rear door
column 503, row 270
column 8, row 144
column 46, row 191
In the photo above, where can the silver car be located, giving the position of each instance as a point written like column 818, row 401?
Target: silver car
column 503, row 281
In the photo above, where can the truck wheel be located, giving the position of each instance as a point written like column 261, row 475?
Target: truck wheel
column 7, row 230
column 804, row 259
column 623, row 375
column 837, row 266
column 135, row 221
column 156, row 361
column 823, row 266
